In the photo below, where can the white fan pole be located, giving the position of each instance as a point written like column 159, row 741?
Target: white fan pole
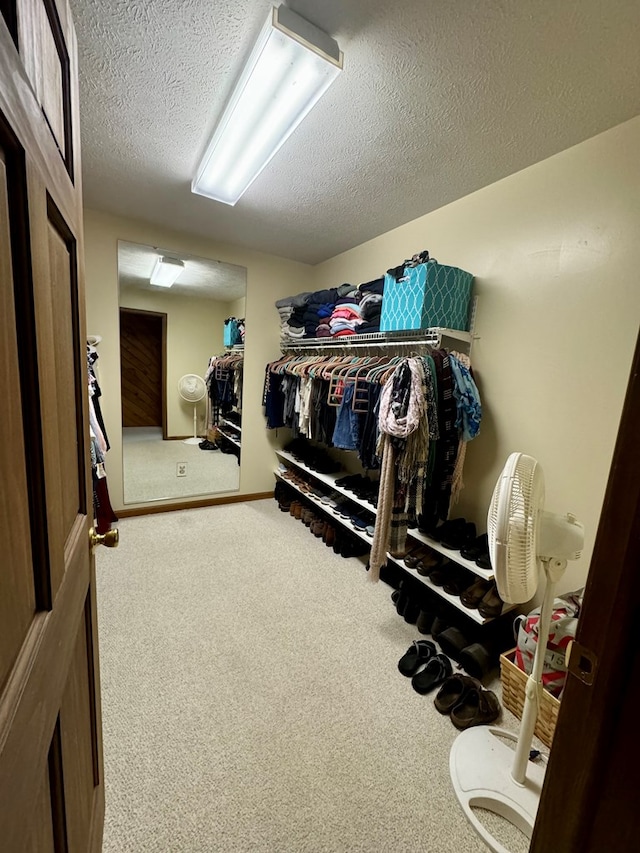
column 487, row 772
column 552, row 570
column 195, row 439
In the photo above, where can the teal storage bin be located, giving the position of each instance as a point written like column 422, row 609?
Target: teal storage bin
column 427, row 295
column 231, row 334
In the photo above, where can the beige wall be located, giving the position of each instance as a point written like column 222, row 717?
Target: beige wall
column 554, row 250
column 268, row 278
column 194, row 334
column 238, row 308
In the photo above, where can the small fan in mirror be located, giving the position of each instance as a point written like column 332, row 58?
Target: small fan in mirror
column 192, row 389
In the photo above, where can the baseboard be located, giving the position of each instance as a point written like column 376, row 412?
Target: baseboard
column 230, row 499
column 180, row 437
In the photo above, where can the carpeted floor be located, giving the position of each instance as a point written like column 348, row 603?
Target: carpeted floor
column 149, row 467
column 252, row 701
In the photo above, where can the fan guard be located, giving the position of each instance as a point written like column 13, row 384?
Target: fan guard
column 191, row 387
column 512, row 525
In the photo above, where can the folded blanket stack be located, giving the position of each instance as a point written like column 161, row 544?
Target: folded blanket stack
column 333, row 312
column 346, row 316
column 371, row 305
column 318, row 308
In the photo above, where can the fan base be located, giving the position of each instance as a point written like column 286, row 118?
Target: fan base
column 480, row 765
column 193, row 440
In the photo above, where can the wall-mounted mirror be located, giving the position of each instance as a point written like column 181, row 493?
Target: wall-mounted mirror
column 179, row 439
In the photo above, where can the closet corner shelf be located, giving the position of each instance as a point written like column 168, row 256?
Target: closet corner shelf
column 412, row 337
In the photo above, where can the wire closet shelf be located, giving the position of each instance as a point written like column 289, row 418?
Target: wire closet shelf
column 411, row 338
column 436, row 336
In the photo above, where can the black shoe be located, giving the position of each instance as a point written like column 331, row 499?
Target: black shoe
column 425, row 621
column 208, row 445
column 411, row 612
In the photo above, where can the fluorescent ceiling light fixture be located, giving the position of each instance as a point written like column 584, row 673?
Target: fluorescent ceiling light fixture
column 166, row 271
column 291, row 66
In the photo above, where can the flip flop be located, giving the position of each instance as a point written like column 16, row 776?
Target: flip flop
column 478, row 708
column 453, row 692
column 434, row 673
column 420, row 652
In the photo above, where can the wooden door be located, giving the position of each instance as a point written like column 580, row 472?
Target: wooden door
column 51, row 789
column 142, row 368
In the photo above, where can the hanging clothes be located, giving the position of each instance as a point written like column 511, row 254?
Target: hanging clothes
column 103, row 513
column 223, row 378
column 411, row 418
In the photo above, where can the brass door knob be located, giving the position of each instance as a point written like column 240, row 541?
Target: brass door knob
column 110, row 538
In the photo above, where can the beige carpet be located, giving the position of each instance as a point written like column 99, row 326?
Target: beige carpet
column 149, row 467
column 252, row 701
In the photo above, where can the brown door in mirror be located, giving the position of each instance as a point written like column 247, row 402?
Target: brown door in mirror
column 51, row 788
column 142, row 373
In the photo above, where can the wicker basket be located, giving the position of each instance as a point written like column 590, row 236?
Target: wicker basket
column 513, row 686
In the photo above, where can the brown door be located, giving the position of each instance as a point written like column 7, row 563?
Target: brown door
column 51, row 789
column 142, row 371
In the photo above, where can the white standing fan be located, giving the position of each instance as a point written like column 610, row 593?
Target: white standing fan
column 192, row 388
column 485, row 771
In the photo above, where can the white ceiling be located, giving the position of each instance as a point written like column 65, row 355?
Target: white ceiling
column 201, row 277
column 438, row 98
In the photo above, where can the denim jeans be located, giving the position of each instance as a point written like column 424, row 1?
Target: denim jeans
column 346, row 433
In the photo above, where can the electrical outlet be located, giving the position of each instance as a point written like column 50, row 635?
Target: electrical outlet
column 181, row 469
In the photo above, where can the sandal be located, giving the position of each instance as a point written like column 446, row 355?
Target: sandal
column 434, row 673
column 420, row 652
column 453, row 692
column 478, row 708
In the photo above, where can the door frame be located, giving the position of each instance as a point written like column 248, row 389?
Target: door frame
column 589, row 800
column 163, row 318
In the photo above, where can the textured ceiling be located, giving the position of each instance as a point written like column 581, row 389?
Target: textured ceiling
column 201, row 277
column 438, row 98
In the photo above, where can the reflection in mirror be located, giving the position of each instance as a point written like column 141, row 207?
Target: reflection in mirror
column 181, row 386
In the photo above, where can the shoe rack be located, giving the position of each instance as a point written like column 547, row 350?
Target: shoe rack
column 416, row 536
column 231, row 431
